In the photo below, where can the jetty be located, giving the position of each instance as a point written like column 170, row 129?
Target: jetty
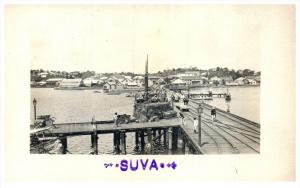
column 157, row 121
column 227, row 134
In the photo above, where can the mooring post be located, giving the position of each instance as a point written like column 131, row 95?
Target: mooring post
column 200, row 110
column 142, row 140
column 64, row 144
column 165, row 137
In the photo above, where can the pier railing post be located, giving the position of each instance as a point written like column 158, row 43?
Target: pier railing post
column 200, row 110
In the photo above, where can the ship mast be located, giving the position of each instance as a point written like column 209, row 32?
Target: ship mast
column 146, row 80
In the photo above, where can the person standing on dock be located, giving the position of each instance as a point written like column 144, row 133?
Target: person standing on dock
column 195, row 125
column 116, row 119
column 213, row 113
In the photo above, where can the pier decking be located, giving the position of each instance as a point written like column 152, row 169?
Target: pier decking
column 227, row 134
column 87, row 128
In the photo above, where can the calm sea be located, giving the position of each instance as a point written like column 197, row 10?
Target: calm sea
column 82, row 105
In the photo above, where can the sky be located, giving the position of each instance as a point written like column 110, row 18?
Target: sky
column 116, row 38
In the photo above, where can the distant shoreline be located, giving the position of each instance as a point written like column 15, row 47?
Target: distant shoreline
column 195, row 87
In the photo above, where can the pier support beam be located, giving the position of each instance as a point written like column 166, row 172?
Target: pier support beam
column 142, row 140
column 183, row 145
column 170, row 138
column 136, row 141
column 92, row 141
column 64, row 144
column 165, row 137
column 95, row 143
column 154, row 132
column 174, row 138
column 117, row 142
column 149, row 135
column 159, row 133
column 123, row 141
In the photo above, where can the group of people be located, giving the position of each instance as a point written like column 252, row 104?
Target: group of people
column 196, row 121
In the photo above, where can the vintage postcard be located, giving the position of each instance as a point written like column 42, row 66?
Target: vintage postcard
column 162, row 90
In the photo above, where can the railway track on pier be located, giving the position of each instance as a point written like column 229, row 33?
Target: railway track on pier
column 229, row 134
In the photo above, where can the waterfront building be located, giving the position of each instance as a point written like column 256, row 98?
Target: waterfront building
column 178, row 82
column 71, row 83
column 53, row 81
column 139, row 80
column 193, row 80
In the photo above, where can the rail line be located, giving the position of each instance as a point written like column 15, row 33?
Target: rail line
column 206, row 121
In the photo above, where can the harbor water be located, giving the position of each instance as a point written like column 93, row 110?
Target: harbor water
column 82, row 105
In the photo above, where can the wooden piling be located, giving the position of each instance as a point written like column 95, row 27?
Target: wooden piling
column 117, row 142
column 149, row 134
column 92, row 141
column 123, row 141
column 95, row 143
column 136, row 140
column 64, row 144
column 154, row 132
column 183, row 145
column 174, row 138
column 114, row 141
column 159, row 133
column 142, row 140
column 170, row 138
column 165, row 137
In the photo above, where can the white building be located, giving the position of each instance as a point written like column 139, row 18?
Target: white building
column 70, row 83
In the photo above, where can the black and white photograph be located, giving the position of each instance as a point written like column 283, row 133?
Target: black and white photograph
column 120, row 80
column 140, row 91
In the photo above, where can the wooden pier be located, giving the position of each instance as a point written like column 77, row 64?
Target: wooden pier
column 227, row 134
